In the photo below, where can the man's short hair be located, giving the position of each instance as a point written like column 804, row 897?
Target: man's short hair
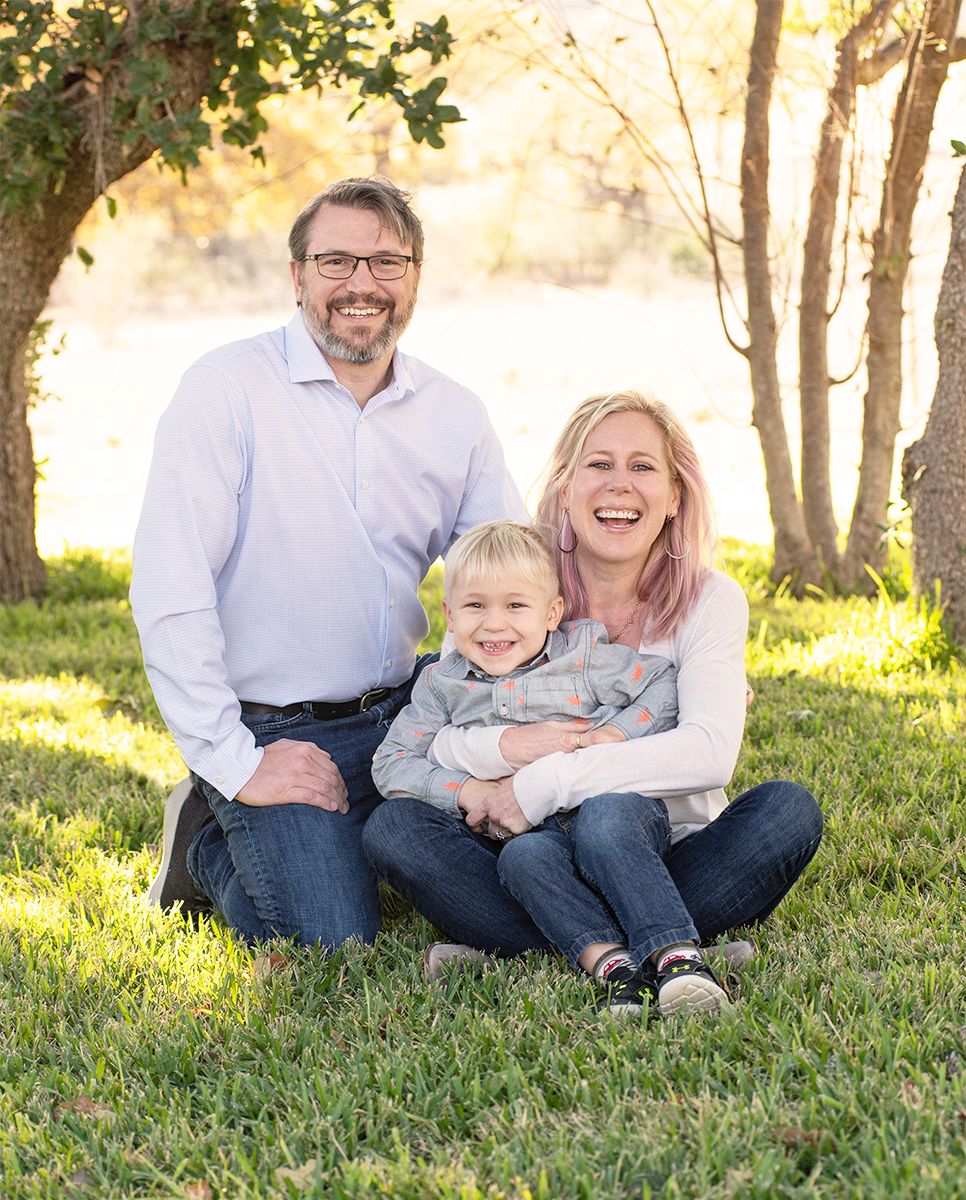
column 389, row 203
column 498, row 548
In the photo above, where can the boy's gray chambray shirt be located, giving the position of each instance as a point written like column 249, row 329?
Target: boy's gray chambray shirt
column 577, row 674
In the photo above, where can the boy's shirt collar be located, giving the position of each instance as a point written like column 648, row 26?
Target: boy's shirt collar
column 467, row 668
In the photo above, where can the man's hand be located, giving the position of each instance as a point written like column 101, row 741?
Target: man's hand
column 499, row 813
column 524, row 744
column 296, row 773
column 474, row 793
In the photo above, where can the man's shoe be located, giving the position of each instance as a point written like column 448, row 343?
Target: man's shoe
column 185, row 812
column 442, row 957
column 730, row 956
column 628, row 991
column 688, row 985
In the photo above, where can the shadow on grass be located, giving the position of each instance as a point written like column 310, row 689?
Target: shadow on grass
column 57, row 800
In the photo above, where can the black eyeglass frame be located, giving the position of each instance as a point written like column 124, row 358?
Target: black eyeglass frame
column 356, row 259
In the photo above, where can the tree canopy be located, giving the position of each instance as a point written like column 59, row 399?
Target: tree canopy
column 91, row 90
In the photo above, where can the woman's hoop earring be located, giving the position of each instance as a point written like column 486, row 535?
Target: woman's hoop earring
column 566, row 535
column 667, row 544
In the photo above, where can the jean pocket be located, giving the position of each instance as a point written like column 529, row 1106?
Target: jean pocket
column 272, row 724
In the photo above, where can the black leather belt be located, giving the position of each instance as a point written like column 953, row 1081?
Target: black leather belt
column 322, row 710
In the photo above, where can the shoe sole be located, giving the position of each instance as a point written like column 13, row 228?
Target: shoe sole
column 692, row 994
column 172, row 811
column 623, row 1010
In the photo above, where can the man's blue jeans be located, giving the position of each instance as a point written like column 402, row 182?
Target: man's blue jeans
column 292, row 870
column 605, row 872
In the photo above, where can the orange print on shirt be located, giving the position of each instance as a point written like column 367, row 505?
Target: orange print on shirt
column 572, row 699
column 637, row 673
column 644, row 717
column 452, row 787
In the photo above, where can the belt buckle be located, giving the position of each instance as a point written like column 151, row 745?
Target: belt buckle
column 365, row 703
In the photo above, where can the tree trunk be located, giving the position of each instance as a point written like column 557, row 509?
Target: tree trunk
column 814, row 315
column 33, row 244
column 794, row 554
column 912, row 125
column 934, row 468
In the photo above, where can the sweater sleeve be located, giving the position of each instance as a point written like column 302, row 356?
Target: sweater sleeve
column 699, row 754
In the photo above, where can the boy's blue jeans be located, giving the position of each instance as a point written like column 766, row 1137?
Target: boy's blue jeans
column 292, row 870
column 604, row 872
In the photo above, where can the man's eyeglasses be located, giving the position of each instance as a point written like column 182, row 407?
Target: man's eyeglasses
column 342, row 266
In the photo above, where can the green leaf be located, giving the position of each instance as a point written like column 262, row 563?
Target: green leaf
column 959, row 148
column 85, row 256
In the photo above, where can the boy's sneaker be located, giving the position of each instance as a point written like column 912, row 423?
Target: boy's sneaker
column 628, row 991
column 442, row 957
column 688, row 985
column 185, row 813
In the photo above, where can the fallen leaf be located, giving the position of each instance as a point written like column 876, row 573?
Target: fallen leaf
column 81, row 1179
column 952, row 1064
column 298, row 1177
column 84, row 1106
column 269, row 964
column 198, row 1191
column 910, row 1094
column 795, row 1135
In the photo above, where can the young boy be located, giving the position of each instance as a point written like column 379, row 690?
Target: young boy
column 513, row 664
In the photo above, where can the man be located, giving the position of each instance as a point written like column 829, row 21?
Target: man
column 303, row 481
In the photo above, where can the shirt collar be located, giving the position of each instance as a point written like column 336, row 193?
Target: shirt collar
column 464, row 668
column 307, row 363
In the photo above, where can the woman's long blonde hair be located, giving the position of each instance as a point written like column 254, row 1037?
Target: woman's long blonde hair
column 669, row 585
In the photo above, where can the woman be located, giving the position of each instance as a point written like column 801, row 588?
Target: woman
column 648, row 857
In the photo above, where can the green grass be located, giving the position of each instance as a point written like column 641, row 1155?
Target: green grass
column 840, row 1072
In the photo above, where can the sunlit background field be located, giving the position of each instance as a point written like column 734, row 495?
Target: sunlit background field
column 557, row 263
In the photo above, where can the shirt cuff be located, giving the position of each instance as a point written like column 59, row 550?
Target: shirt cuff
column 536, row 788
column 230, row 765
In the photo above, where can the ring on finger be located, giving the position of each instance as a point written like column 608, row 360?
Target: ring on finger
column 504, row 835
column 578, row 742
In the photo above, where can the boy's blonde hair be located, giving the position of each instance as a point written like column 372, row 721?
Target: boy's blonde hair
column 498, row 548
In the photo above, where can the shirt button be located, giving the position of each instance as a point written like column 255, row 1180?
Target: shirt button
column 392, row 603
column 388, row 662
column 365, row 485
column 503, row 710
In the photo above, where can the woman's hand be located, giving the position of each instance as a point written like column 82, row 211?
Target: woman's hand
column 606, row 735
column 498, row 816
column 524, row 744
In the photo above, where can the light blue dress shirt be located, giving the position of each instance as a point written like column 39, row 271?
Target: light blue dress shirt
column 285, row 532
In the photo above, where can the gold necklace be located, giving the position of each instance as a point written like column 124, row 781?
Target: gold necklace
column 627, row 624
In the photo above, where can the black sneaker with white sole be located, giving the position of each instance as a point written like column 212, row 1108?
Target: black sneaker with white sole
column 628, row 991
column 688, row 985
column 185, row 813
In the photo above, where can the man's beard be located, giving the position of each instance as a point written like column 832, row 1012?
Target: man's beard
column 343, row 349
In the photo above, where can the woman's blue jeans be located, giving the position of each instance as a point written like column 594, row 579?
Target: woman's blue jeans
column 605, row 872
column 292, row 870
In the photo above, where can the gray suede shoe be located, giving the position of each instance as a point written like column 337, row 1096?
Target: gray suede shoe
column 442, row 957
column 185, row 813
column 730, row 956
